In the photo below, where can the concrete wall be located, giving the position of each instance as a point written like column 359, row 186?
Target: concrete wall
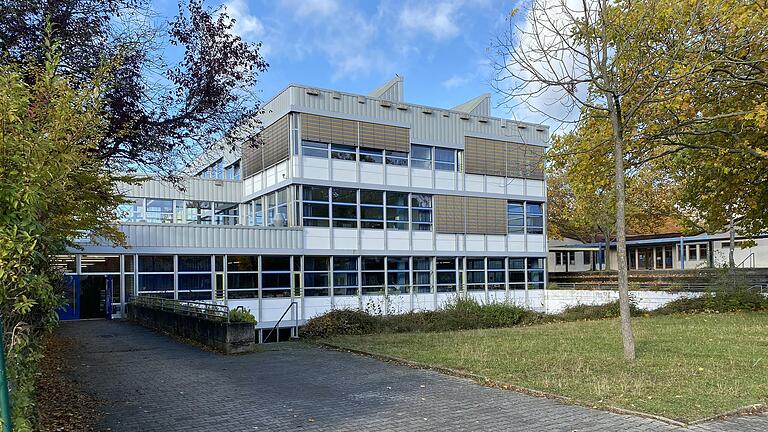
column 554, row 301
column 229, row 338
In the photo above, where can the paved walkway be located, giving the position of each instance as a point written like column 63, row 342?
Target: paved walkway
column 152, row 383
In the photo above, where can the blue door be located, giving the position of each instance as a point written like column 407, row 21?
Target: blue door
column 71, row 310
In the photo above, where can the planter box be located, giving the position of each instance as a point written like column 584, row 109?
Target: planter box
column 228, row 338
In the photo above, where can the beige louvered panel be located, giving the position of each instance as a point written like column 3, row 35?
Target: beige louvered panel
column 276, row 140
column 534, row 162
column 449, row 214
column 515, row 160
column 344, row 132
column 484, row 156
column 251, row 159
column 385, row 137
column 486, row 215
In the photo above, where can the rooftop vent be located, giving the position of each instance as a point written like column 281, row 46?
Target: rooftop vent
column 313, row 92
column 483, row 119
column 402, row 107
column 385, row 104
column 464, row 116
column 522, row 127
column 361, row 99
column 427, row 111
column 336, row 95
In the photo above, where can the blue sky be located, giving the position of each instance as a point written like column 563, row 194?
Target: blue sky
column 439, row 46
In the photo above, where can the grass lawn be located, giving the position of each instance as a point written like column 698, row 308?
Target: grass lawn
column 688, row 366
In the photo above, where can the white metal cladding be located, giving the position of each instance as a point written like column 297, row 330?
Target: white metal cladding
column 441, row 127
column 194, row 188
column 209, row 237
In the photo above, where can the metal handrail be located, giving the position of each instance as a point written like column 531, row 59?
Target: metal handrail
column 752, row 256
column 296, row 320
column 184, row 307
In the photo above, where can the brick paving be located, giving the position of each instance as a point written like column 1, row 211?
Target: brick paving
column 153, row 383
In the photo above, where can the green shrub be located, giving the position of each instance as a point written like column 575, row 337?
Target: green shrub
column 340, row 322
column 719, row 301
column 592, row 312
column 241, row 315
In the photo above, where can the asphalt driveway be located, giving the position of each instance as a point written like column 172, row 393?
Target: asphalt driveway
column 152, row 383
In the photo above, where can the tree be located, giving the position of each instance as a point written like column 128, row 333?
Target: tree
column 160, row 115
column 581, row 199
column 51, row 190
column 613, row 64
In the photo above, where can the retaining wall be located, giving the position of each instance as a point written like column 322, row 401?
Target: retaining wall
column 229, row 338
column 554, row 301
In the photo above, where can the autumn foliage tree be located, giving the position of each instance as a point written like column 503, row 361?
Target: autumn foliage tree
column 642, row 80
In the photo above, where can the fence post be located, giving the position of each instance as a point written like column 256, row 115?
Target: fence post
column 5, row 402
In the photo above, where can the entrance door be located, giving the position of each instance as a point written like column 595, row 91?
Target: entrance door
column 71, row 310
column 93, row 296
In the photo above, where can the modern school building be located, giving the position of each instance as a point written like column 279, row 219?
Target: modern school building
column 343, row 201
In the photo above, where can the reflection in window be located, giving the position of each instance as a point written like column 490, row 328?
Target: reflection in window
column 445, row 159
column 422, row 275
column 396, row 158
column 397, row 210
column 398, row 275
column 372, row 209
column 343, row 152
column 277, row 208
column 159, row 210
column 131, row 211
column 316, row 281
column 344, row 205
column 445, row 269
column 373, row 275
column 345, row 276
column 193, row 212
column 314, row 149
column 421, row 211
column 371, row 155
column 516, row 273
column 534, row 218
column 535, row 273
column 421, row 156
column 227, row 213
column 316, row 206
column 275, row 276
column 496, row 274
column 515, row 217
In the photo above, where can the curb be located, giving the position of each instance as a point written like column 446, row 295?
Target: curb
column 488, row 382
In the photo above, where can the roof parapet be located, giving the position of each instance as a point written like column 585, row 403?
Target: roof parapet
column 392, row 90
column 479, row 106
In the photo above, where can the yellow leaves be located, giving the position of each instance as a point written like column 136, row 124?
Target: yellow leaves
column 759, row 115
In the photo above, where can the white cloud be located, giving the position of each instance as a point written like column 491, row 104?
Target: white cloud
column 305, row 8
column 247, row 26
column 438, row 19
column 456, row 81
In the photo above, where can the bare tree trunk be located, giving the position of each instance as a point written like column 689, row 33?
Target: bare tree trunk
column 731, row 251
column 621, row 235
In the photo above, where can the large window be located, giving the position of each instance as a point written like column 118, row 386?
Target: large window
column 242, row 276
column 277, row 208
column 396, row 158
column 343, row 152
column 534, row 218
column 275, row 276
column 371, row 155
column 345, row 276
column 131, row 211
column 445, row 159
column 421, row 156
column 314, row 149
column 226, row 213
column 445, row 269
column 344, row 207
column 535, row 273
column 421, row 211
column 373, row 275
column 156, row 275
column 316, row 281
column 525, row 217
column 475, row 274
column 194, row 277
column 398, row 275
column 422, row 275
column 397, row 210
column 232, row 172
column 496, row 274
column 316, row 205
column 515, row 217
column 255, row 213
column 159, row 210
column 516, row 273
column 193, row 212
column 372, row 209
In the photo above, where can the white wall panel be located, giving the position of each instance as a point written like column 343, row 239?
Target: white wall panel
column 495, row 184
column 516, row 243
column 422, row 240
column 397, row 175
column 534, row 188
column 474, row 183
column 475, row 243
column 372, row 239
column 344, row 238
column 535, row 243
column 445, row 242
column 515, row 186
column 496, row 243
column 398, row 240
column 317, row 238
column 191, row 188
column 315, row 168
column 371, row 173
column 343, row 170
column 445, row 180
column 421, row 177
